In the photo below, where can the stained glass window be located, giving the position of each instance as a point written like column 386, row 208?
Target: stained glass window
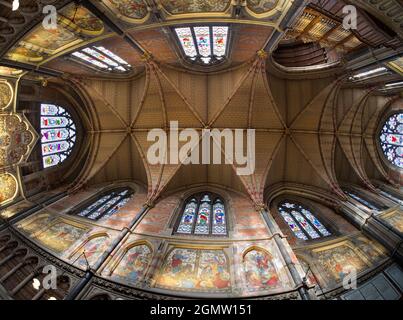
column 302, row 221
column 391, row 140
column 206, row 45
column 107, row 205
column 203, row 214
column 391, row 196
column 58, row 133
column 363, row 200
column 103, row 59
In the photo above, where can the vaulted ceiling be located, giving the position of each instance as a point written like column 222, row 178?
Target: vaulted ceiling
column 313, row 127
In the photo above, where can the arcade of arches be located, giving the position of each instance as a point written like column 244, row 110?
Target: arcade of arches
column 78, row 193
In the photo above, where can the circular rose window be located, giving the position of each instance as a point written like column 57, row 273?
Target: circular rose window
column 391, row 139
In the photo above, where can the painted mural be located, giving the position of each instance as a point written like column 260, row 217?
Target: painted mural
column 261, row 6
column 36, row 223
column 195, row 6
column 6, row 94
column 134, row 264
column 340, row 261
column 85, row 20
column 395, row 219
column 15, row 139
column 134, row 9
column 13, row 210
column 59, row 236
column 6, row 71
column 8, row 187
column 259, row 271
column 195, row 270
column 90, row 252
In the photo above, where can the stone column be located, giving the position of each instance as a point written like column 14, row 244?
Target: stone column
column 285, row 249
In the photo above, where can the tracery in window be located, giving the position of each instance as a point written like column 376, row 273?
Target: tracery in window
column 107, row 205
column 203, row 214
column 391, row 139
column 302, row 221
column 103, row 59
column 206, row 45
column 58, row 134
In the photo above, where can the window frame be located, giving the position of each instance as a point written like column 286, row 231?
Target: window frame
column 309, row 208
column 68, row 153
column 111, row 193
column 199, row 196
column 381, row 123
column 198, row 61
column 109, row 70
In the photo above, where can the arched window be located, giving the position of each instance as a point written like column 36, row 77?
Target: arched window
column 391, row 139
column 107, row 205
column 206, row 45
column 58, row 134
column 203, row 214
column 301, row 221
column 103, row 59
column 364, row 200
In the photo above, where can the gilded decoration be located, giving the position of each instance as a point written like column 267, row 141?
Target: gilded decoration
column 15, row 139
column 8, row 187
column 6, row 94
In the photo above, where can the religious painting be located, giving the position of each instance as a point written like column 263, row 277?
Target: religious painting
column 133, row 9
column 84, row 19
column 134, row 264
column 195, row 270
column 52, row 39
column 6, row 94
column 15, row 139
column 259, row 271
column 13, row 210
column 60, row 236
column 90, row 252
column 340, row 261
column 261, row 6
column 8, row 187
column 195, row 6
column 25, row 55
column 36, row 223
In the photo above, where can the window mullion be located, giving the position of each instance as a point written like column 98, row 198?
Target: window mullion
column 110, row 207
column 106, row 55
column 195, row 42
column 312, row 225
column 299, row 225
column 212, row 53
column 98, row 206
column 196, row 216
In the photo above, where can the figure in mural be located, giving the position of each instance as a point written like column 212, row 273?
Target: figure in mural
column 60, row 236
column 135, row 9
column 193, row 6
column 259, row 270
column 134, row 264
column 93, row 249
column 262, row 6
column 339, row 262
column 196, row 270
